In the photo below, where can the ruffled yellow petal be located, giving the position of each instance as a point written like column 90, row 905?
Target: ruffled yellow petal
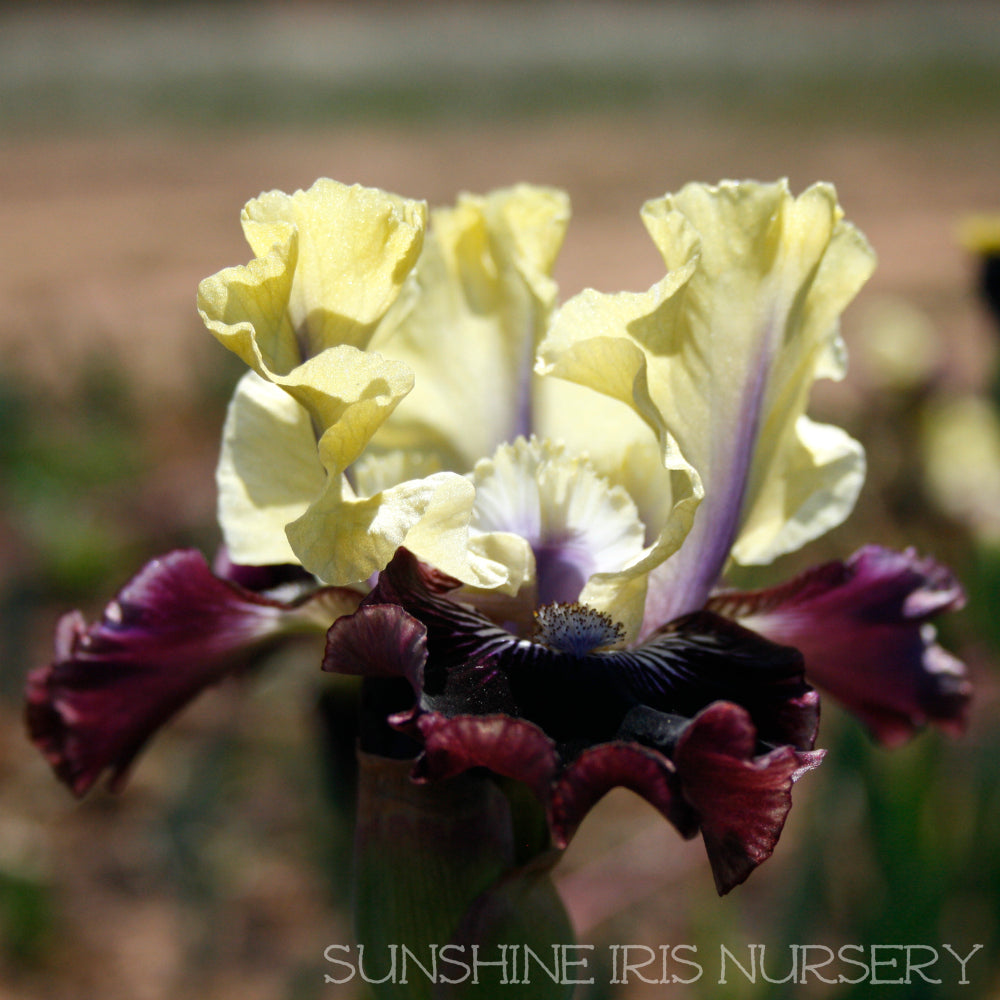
column 268, row 474
column 336, row 401
column 823, row 472
column 344, row 538
column 468, row 322
column 309, row 314
column 329, row 263
column 340, row 537
column 719, row 358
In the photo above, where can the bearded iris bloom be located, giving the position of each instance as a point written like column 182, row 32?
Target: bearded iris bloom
column 523, row 513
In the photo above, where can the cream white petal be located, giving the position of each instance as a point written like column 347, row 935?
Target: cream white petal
column 268, row 473
column 584, row 532
column 468, row 321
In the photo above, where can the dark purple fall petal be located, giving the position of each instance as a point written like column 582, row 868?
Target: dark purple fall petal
column 378, row 640
column 704, row 657
column 697, row 720
column 595, row 771
column 259, row 578
column 863, row 628
column 517, row 748
column 741, row 800
column 172, row 631
column 514, row 748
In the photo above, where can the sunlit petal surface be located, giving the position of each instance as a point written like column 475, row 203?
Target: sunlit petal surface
column 718, row 359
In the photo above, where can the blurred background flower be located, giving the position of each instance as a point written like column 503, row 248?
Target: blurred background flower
column 132, row 136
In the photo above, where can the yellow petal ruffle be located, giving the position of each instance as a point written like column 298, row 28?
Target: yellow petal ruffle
column 718, row 359
column 333, row 314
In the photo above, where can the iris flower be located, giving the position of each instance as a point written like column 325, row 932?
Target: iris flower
column 523, row 513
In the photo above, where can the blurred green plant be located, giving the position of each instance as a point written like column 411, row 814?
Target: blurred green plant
column 66, row 462
column 26, row 917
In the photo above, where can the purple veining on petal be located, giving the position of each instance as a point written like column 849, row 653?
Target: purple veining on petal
column 683, row 583
column 733, row 450
column 172, row 631
column 863, row 628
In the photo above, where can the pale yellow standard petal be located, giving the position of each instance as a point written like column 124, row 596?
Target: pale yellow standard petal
column 762, row 312
column 730, row 344
column 246, row 307
column 468, row 322
column 308, row 313
column 344, row 537
column 329, row 263
column 268, row 473
column 625, row 434
column 823, row 472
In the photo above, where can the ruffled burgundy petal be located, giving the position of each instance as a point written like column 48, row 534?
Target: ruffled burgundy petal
column 514, row 748
column 741, row 799
column 595, row 771
column 517, row 748
column 172, row 631
column 863, row 628
column 378, row 640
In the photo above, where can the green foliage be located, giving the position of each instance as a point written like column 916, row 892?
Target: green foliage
column 26, row 918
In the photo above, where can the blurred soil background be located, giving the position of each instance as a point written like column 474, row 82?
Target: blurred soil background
column 131, row 136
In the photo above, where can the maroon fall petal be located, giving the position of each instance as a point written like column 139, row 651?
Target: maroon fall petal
column 863, row 628
column 741, row 800
column 172, row 631
column 378, row 640
column 517, row 748
column 592, row 774
column 514, row 748
column 259, row 578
